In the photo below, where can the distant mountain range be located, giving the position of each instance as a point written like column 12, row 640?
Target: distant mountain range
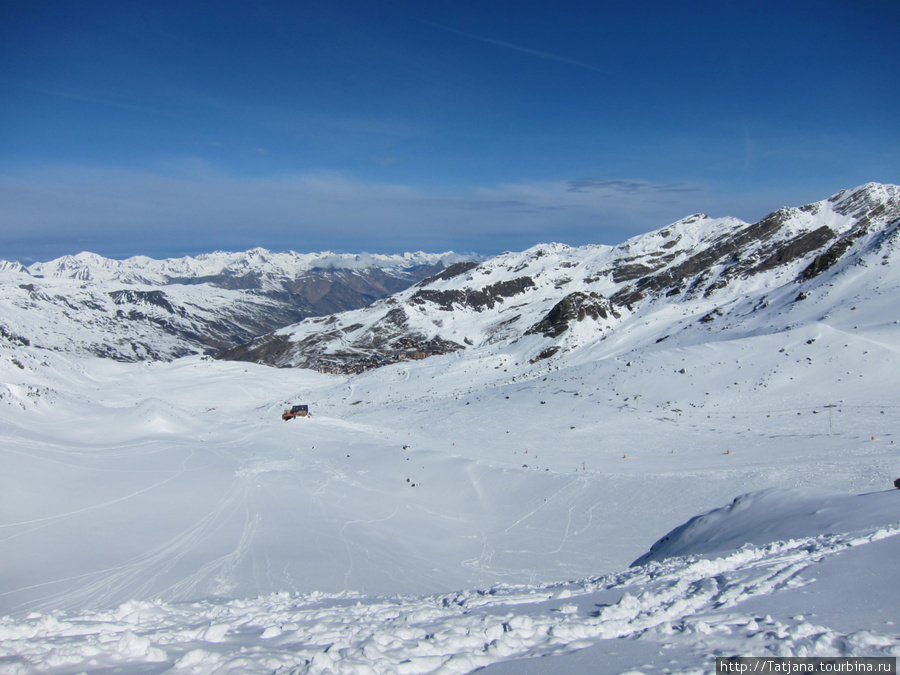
column 685, row 281
column 146, row 309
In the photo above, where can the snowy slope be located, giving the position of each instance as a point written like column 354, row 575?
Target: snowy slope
column 781, row 598
column 476, row 509
column 200, row 533
column 130, row 323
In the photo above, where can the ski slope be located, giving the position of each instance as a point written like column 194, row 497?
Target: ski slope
column 461, row 512
column 700, row 478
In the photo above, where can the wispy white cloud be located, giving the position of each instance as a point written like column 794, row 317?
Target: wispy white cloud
column 107, row 102
column 619, row 186
column 524, row 50
column 125, row 212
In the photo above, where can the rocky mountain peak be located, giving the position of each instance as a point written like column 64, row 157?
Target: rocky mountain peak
column 553, row 298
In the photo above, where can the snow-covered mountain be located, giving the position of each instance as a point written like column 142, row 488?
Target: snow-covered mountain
column 685, row 282
column 695, row 461
column 141, row 308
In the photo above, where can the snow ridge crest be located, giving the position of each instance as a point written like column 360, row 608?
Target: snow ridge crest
column 554, row 299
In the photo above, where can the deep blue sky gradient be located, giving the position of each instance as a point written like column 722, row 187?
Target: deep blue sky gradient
column 171, row 128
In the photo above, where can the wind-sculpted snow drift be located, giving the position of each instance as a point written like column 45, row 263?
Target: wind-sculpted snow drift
column 502, row 505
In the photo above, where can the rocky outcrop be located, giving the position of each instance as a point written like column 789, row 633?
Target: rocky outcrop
column 155, row 298
column 832, row 254
column 753, row 249
column 479, row 300
column 576, row 306
column 453, row 270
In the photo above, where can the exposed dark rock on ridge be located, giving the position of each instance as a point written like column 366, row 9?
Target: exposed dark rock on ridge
column 574, row 307
column 453, row 270
column 478, row 300
column 706, row 266
column 156, row 298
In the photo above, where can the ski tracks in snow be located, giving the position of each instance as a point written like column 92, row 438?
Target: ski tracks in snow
column 456, row 633
column 100, row 505
column 161, row 571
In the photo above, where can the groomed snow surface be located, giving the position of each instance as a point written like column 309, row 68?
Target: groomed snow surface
column 462, row 512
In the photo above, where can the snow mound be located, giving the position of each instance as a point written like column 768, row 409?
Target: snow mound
column 763, row 517
column 694, row 606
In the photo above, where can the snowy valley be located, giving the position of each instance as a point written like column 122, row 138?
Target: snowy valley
column 143, row 309
column 620, row 459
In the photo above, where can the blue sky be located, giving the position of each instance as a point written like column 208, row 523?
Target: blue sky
column 172, row 128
